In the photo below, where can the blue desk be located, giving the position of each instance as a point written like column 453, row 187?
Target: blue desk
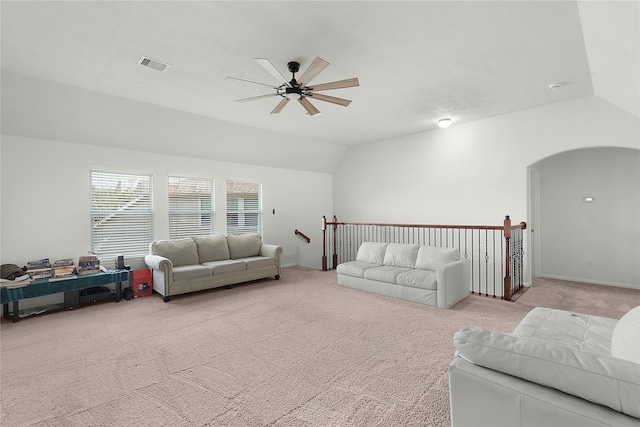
column 41, row 287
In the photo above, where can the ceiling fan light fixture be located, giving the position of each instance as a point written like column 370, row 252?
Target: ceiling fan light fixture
column 293, row 95
column 444, row 123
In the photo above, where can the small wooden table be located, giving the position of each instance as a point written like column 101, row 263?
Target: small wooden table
column 41, row 287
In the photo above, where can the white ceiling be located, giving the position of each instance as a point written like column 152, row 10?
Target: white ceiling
column 416, row 61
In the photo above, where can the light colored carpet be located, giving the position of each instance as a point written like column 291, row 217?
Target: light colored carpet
column 301, row 351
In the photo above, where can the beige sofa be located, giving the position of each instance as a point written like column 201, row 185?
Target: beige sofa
column 557, row 368
column 193, row 264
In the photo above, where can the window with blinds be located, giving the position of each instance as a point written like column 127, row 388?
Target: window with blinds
column 244, row 207
column 122, row 219
column 191, row 207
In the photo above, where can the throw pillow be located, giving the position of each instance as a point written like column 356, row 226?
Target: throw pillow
column 244, row 245
column 625, row 342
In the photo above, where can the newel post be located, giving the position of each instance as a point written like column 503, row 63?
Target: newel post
column 507, row 277
column 335, row 242
column 324, row 243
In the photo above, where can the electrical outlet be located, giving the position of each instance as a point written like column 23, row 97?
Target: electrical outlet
column 590, row 263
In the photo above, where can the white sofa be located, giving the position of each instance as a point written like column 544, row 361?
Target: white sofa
column 557, row 368
column 429, row 275
column 194, row 264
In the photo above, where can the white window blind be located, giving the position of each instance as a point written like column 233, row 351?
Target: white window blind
column 191, row 208
column 122, row 220
column 244, row 207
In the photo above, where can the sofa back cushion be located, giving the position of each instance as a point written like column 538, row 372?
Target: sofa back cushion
column 371, row 252
column 212, row 248
column 179, row 251
column 432, row 257
column 401, row 255
column 244, row 245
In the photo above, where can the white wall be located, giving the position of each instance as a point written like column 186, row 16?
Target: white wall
column 45, row 198
column 594, row 242
column 472, row 173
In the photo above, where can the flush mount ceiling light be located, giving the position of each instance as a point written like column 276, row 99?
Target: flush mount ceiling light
column 444, row 123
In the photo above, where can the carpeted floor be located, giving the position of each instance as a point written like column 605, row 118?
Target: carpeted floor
column 301, row 351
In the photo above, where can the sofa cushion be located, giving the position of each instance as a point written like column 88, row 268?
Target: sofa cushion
column 179, row 251
column 385, row 273
column 418, row 279
column 432, row 257
column 372, row 252
column 226, row 266
column 258, row 262
column 401, row 255
column 212, row 248
column 354, row 268
column 625, row 340
column 578, row 331
column 187, row 272
column 244, row 245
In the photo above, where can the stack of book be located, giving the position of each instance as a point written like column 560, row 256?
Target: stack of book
column 39, row 269
column 63, row 269
column 88, row 264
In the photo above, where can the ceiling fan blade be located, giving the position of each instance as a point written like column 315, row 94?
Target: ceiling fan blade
column 340, row 84
column 267, row 65
column 313, row 70
column 332, row 99
column 253, row 98
column 308, row 106
column 251, row 81
column 280, row 105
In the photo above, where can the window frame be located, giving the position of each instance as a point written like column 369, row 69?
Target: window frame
column 242, row 210
column 199, row 192
column 122, row 217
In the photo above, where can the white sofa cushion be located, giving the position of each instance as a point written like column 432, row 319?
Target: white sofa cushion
column 355, row 268
column 371, row 252
column 625, row 341
column 180, row 251
column 418, row 279
column 432, row 257
column 604, row 380
column 244, row 245
column 212, row 248
column 401, row 255
column 579, row 331
column 385, row 273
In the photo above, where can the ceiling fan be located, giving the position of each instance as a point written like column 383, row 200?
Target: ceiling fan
column 300, row 89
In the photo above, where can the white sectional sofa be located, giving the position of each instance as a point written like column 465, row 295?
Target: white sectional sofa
column 429, row 275
column 557, row 368
column 194, row 264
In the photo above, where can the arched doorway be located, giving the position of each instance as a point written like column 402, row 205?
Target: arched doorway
column 584, row 213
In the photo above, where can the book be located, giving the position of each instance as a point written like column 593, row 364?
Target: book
column 88, row 264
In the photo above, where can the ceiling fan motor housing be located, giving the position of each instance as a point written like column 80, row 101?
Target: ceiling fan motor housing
column 294, row 66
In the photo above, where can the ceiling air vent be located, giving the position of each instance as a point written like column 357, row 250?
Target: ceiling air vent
column 152, row 63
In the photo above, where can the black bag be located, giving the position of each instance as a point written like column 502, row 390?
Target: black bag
column 11, row 271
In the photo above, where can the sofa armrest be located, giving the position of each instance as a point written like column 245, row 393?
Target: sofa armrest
column 604, row 380
column 273, row 251
column 454, row 282
column 162, row 270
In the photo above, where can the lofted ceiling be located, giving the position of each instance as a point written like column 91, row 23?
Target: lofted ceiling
column 416, row 61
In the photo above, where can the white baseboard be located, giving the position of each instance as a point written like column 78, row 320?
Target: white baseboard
column 593, row 282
